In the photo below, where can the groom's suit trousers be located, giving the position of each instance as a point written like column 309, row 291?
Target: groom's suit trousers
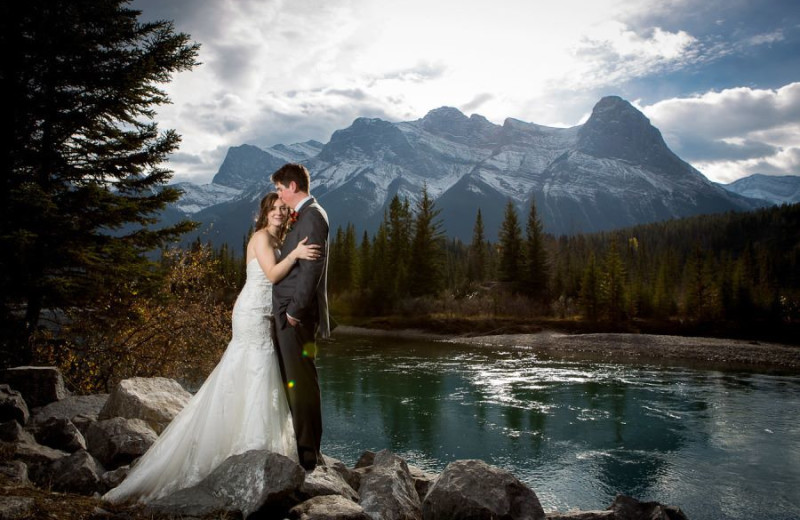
column 298, row 368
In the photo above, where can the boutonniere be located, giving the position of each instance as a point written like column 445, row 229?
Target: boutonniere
column 292, row 219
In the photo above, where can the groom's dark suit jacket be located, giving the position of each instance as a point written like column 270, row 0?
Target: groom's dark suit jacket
column 303, row 292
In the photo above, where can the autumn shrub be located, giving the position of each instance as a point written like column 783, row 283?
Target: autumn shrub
column 177, row 329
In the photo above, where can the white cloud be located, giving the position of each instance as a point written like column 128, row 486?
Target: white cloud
column 282, row 71
column 734, row 132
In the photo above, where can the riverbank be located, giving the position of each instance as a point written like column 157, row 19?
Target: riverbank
column 732, row 354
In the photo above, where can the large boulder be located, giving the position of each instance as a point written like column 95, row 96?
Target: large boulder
column 61, row 434
column 79, row 473
column 628, row 508
column 387, row 490
column 119, row 441
column 13, row 406
column 325, row 480
column 38, row 385
column 328, row 507
column 155, row 400
column 70, row 407
column 473, row 489
column 254, row 480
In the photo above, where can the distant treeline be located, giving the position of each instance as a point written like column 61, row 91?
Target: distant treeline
column 726, row 268
column 733, row 266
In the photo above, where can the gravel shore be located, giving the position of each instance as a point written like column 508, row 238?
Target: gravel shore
column 634, row 348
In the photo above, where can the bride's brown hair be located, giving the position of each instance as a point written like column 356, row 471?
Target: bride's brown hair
column 264, row 208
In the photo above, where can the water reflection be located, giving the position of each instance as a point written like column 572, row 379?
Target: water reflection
column 577, row 432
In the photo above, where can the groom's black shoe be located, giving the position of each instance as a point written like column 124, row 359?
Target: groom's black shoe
column 308, row 459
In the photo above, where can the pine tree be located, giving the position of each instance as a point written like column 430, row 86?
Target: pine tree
column 364, row 262
column 590, row 290
column 477, row 267
column 336, row 263
column 81, row 153
column 399, row 226
column 511, row 252
column 537, row 269
column 350, row 258
column 427, row 249
column 612, row 285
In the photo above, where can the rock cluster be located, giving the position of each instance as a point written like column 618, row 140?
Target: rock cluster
column 85, row 444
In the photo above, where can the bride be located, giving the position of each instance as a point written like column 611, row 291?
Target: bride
column 241, row 405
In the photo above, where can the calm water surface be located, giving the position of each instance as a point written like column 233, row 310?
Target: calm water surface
column 721, row 445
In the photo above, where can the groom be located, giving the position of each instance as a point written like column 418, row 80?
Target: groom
column 300, row 307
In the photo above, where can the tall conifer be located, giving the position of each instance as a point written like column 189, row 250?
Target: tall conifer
column 81, row 155
column 537, row 268
column 478, row 252
column 427, row 249
column 511, row 249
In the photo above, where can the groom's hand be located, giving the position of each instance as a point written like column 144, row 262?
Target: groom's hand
column 292, row 322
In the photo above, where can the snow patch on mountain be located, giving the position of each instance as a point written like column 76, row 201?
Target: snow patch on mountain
column 197, row 197
column 777, row 189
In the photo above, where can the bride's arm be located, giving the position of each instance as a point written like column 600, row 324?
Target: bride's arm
column 274, row 270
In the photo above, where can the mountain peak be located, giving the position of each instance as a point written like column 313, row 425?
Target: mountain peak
column 616, row 129
column 451, row 123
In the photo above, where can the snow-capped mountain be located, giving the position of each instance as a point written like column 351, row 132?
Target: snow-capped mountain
column 784, row 189
column 244, row 166
column 613, row 171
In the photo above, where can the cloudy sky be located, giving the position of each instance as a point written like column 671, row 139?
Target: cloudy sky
column 719, row 78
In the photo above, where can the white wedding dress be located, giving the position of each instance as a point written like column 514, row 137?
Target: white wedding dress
column 240, row 407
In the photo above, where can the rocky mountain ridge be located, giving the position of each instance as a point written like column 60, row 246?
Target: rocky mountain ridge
column 613, row 171
column 775, row 189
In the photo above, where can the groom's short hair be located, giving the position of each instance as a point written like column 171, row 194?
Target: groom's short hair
column 293, row 172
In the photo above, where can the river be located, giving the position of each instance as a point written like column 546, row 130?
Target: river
column 718, row 444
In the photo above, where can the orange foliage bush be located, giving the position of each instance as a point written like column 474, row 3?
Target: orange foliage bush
column 177, row 330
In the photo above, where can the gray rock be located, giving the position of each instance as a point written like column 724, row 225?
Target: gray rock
column 254, row 479
column 423, row 480
column 190, row 502
column 628, row 508
column 114, row 478
column 116, row 442
column 473, row 489
column 155, row 400
column 325, row 480
column 366, row 459
column 387, row 491
column 34, row 454
column 79, row 473
column 61, row 434
column 37, row 458
column 82, row 423
column 12, row 406
column 328, row 507
column 13, row 508
column 347, row 474
column 12, row 431
column 15, row 471
column 38, row 385
column 582, row 515
column 70, row 407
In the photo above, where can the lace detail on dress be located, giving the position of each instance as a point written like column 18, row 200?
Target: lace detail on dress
column 241, row 406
